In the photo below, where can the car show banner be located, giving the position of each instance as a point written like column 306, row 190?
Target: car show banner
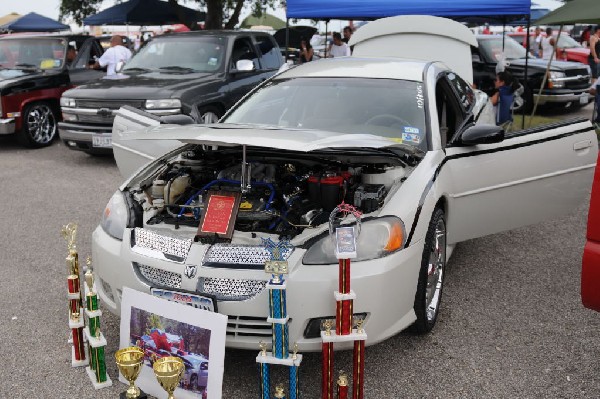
column 164, row 329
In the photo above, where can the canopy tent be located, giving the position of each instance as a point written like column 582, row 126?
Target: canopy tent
column 373, row 9
column 576, row 11
column 33, row 22
column 145, row 12
column 536, row 14
column 264, row 20
column 9, row 18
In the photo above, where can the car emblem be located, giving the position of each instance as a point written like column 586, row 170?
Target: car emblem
column 105, row 112
column 190, row 271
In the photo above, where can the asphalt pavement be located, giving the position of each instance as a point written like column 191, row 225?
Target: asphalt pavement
column 511, row 323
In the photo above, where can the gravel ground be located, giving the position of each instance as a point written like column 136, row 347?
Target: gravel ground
column 511, row 323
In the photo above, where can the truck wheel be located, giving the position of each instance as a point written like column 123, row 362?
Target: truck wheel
column 209, row 114
column 431, row 275
column 39, row 125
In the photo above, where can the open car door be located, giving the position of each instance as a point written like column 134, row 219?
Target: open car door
column 133, row 154
column 527, row 177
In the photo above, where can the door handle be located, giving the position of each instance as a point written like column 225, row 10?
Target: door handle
column 582, row 145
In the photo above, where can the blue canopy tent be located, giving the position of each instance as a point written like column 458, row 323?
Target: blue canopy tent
column 33, row 22
column 145, row 12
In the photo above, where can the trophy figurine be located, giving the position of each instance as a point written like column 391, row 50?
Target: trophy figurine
column 168, row 371
column 130, row 361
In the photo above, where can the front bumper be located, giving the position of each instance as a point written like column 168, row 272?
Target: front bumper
column 79, row 137
column 385, row 290
column 574, row 97
column 7, row 126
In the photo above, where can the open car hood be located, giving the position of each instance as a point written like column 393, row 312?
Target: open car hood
column 224, row 134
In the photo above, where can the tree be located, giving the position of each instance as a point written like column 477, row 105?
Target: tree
column 217, row 11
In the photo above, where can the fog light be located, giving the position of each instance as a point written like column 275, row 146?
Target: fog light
column 315, row 326
column 69, row 117
column 71, row 143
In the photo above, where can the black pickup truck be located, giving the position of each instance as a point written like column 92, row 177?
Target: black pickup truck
column 200, row 74
column 35, row 69
column 567, row 84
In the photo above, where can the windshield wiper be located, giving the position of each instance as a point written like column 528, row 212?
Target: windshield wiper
column 136, row 69
column 177, row 68
column 29, row 66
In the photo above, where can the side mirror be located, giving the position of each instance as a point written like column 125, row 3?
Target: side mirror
column 481, row 134
column 204, row 366
column 244, row 66
column 119, row 66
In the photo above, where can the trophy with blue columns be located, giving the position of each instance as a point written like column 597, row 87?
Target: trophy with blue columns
column 277, row 267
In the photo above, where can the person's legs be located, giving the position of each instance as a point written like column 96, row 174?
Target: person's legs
column 593, row 67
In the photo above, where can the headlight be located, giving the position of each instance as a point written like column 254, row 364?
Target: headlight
column 378, row 238
column 67, row 102
column 554, row 80
column 162, row 104
column 115, row 216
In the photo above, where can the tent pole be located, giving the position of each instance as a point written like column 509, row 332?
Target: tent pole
column 287, row 38
column 526, row 78
column 503, row 32
column 326, row 23
column 546, row 74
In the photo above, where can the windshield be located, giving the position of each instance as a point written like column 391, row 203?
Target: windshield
column 383, row 107
column 34, row 52
column 492, row 48
column 180, row 55
column 568, row 42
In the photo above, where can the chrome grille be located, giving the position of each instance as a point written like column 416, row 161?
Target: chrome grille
column 241, row 326
column 228, row 289
column 158, row 277
column 239, row 256
column 99, row 119
column 111, row 104
column 172, row 248
column 575, row 72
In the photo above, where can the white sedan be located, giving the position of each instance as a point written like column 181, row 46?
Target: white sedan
column 405, row 141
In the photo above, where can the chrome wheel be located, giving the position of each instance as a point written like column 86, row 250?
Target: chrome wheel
column 40, row 124
column 435, row 271
column 209, row 117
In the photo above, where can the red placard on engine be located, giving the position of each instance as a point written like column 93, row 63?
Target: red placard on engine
column 219, row 214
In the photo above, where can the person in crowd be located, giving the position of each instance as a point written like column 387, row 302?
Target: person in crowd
column 535, row 42
column 503, row 98
column 585, row 36
column 338, row 48
column 71, row 55
column 594, row 58
column 486, row 30
column 548, row 45
column 111, row 57
column 347, row 34
column 306, row 51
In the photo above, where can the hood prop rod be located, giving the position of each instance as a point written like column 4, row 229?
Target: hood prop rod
column 245, row 178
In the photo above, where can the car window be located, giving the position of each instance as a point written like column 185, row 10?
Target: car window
column 180, row 55
column 383, row 107
column 492, row 48
column 270, row 55
column 464, row 91
column 243, row 49
column 450, row 114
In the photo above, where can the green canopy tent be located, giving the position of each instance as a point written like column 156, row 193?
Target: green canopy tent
column 264, row 20
column 576, row 11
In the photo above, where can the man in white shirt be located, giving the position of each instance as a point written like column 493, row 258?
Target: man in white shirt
column 338, row 48
column 111, row 57
column 549, row 45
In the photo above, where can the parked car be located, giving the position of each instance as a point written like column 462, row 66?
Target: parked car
column 34, row 72
column 590, row 270
column 195, row 375
column 567, row 50
column 194, row 73
column 567, row 85
column 414, row 151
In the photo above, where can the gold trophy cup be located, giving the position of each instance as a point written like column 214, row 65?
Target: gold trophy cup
column 168, row 371
column 130, row 361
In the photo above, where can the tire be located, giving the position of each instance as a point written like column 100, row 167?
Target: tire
column 431, row 275
column 194, row 382
column 209, row 114
column 39, row 127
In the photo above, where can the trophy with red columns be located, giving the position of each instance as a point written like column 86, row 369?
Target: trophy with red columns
column 76, row 320
column 345, row 250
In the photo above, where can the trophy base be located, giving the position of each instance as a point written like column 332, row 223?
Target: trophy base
column 142, row 395
column 98, row 385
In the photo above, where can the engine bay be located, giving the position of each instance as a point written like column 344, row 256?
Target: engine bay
column 282, row 192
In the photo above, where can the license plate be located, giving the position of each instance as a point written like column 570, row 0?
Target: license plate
column 583, row 99
column 197, row 301
column 99, row 140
